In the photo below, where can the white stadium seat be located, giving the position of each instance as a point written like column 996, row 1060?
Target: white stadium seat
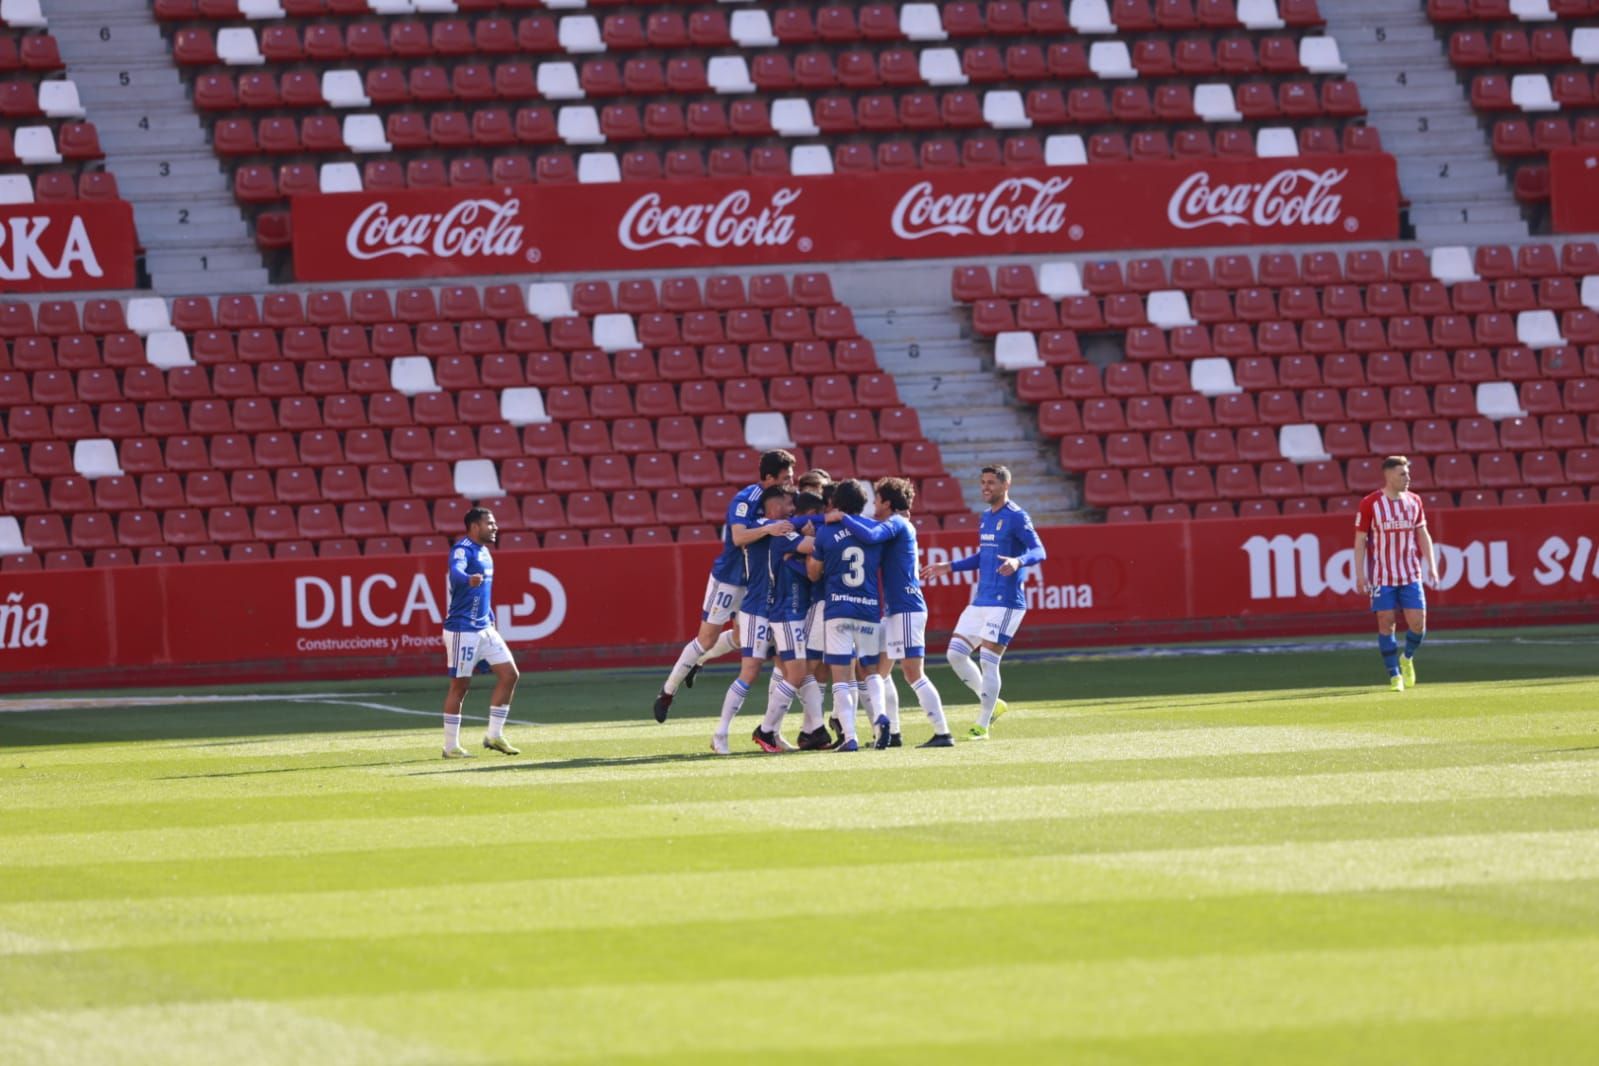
column 1259, row 15
column 598, row 168
column 1091, row 16
column 1016, row 350
column 59, row 99
column 1003, row 109
column 96, row 458
column 523, row 406
column 579, row 33
column 35, row 145
column 339, row 177
column 1585, row 44
column 261, row 9
column 344, row 88
column 1065, row 150
column 1590, row 292
column 1497, row 400
column 752, row 29
column 1168, row 309
column 237, row 47
column 476, row 479
column 1301, row 443
column 1452, row 263
column 558, row 81
column 729, row 74
column 147, row 315
column 22, row 14
column 791, row 117
column 579, row 124
column 1539, row 329
column 365, row 134
column 412, row 375
column 11, row 542
column 167, row 348
column 15, row 189
column 615, row 332
column 1319, row 55
column 1532, row 10
column 1213, row 377
column 1214, row 103
column 808, row 159
column 1276, row 142
column 549, row 299
column 1060, row 279
column 767, row 429
column 1111, row 59
column 1531, row 92
column 921, row 22
column 941, row 66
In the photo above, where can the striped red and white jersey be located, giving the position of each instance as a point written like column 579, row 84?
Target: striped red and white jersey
column 1390, row 525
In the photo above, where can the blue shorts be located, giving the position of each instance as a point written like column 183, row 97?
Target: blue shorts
column 1411, row 597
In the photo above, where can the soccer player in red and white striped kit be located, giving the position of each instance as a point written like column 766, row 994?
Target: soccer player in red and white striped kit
column 1391, row 544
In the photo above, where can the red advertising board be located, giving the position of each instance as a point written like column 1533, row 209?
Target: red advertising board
column 843, row 217
column 1100, row 584
column 1574, row 189
column 54, row 247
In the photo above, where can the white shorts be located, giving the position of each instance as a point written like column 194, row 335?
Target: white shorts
column 996, row 624
column 754, row 636
column 816, row 630
column 905, row 635
column 721, row 601
column 790, row 640
column 852, row 639
column 463, row 651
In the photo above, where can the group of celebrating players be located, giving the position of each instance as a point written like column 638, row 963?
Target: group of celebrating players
column 836, row 597
column 833, row 597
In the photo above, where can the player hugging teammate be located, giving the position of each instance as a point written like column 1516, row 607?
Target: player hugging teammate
column 838, row 602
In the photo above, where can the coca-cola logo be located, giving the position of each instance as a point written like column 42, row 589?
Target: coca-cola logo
column 32, row 246
column 1294, row 197
column 468, row 228
column 731, row 222
column 1013, row 206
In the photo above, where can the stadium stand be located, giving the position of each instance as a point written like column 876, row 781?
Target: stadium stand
column 1272, row 384
column 342, row 96
column 49, row 151
column 1530, row 74
column 363, row 420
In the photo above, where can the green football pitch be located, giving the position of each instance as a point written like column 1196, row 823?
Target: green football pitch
column 1158, row 858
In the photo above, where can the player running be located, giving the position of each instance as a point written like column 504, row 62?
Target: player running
column 905, row 626
column 848, row 568
column 1007, row 545
column 724, row 589
column 470, row 636
column 1392, row 523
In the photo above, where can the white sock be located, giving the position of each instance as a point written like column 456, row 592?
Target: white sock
column 779, row 696
column 497, row 717
column 730, row 705
column 844, row 707
column 931, row 702
column 960, row 659
column 452, row 731
column 990, row 694
column 685, row 659
column 875, row 707
column 810, row 694
column 891, row 703
column 725, row 642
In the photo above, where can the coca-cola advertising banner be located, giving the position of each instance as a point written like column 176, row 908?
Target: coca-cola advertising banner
column 834, row 218
column 85, row 244
column 610, row 606
column 1574, row 189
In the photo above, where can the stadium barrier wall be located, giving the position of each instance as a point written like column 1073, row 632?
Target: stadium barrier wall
column 321, row 618
column 67, row 247
column 1574, row 190
column 362, row 236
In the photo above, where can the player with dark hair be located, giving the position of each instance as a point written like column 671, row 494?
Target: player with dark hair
column 788, row 606
column 470, row 637
column 724, row 589
column 1007, row 545
column 905, row 621
column 1392, row 524
column 848, row 568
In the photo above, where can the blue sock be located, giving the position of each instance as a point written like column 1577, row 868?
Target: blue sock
column 1412, row 642
column 1390, row 653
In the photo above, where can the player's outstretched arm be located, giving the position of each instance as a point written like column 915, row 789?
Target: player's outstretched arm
column 744, row 536
column 869, row 530
column 1035, row 552
column 932, row 570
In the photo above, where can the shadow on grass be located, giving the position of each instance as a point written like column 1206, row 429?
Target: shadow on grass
column 579, row 697
column 595, row 762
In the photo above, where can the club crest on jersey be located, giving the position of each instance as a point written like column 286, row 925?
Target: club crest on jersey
column 999, row 525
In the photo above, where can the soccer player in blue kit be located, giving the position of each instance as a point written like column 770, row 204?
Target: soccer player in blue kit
column 470, row 636
column 724, row 590
column 1007, row 545
column 762, row 558
column 847, row 567
column 905, row 621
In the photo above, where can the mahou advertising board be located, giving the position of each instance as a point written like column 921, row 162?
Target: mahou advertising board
column 633, row 605
column 830, row 218
column 67, row 247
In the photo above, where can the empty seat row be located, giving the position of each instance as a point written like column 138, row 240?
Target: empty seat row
column 1366, row 267
column 43, row 145
column 1515, row 47
column 58, row 186
column 32, row 52
column 1503, row 10
column 1226, row 510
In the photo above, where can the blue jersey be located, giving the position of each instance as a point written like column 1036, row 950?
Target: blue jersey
column 1005, row 533
column 849, row 573
column 470, row 608
column 744, row 509
column 762, row 558
column 902, row 588
column 791, row 591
